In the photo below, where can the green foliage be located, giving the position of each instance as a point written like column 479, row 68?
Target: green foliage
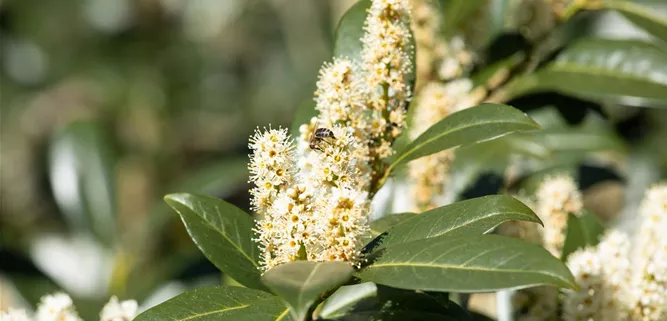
column 652, row 23
column 344, row 300
column 466, row 264
column 582, row 231
column 468, row 126
column 470, row 217
column 219, row 303
column 301, row 283
column 602, row 68
column 223, row 233
column 350, row 31
column 367, row 301
column 384, row 223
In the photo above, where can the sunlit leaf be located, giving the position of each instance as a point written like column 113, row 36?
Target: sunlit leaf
column 223, row 233
column 345, row 299
column 300, row 283
column 468, row 126
column 367, row 302
column 475, row 263
column 219, row 303
column 469, row 217
column 602, row 68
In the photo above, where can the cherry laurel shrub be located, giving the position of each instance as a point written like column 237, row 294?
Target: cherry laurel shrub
column 403, row 89
column 365, row 209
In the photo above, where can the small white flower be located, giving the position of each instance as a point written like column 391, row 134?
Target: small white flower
column 587, row 303
column 14, row 315
column 56, row 307
column 557, row 196
column 119, row 311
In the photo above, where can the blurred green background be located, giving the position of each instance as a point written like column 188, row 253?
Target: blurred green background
column 109, row 105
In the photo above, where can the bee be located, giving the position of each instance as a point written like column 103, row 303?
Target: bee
column 320, row 135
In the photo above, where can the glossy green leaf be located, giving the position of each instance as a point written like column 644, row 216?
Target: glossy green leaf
column 82, row 178
column 475, row 263
column 301, row 283
column 469, row 217
column 219, row 303
column 384, row 223
column 570, row 139
column 345, row 299
column 303, row 114
column 390, row 304
column 654, row 24
column 350, row 31
column 223, row 233
column 582, row 231
column 602, row 68
column 468, row 126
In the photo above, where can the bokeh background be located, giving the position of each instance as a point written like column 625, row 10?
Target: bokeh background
column 108, row 105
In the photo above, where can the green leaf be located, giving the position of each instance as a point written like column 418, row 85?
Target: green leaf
column 223, row 233
column 468, row 126
column 469, row 217
column 602, row 68
column 219, row 303
column 485, row 76
column 303, row 114
column 345, row 299
column 457, row 12
column 81, row 164
column 581, row 232
column 301, row 283
column 642, row 17
column 390, row 304
column 350, row 31
column 569, row 139
column 479, row 263
column 384, row 223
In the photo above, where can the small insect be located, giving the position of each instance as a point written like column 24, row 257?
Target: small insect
column 320, row 135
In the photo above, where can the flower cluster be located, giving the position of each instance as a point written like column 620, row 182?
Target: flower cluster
column 618, row 279
column 429, row 174
column 385, row 68
column 315, row 198
column 59, row 307
column 587, row 302
column 557, row 197
column 443, row 89
column 321, row 213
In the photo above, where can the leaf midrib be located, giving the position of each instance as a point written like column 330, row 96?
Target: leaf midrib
column 481, row 218
column 216, row 311
column 234, row 245
column 428, row 141
column 464, row 268
column 302, row 286
column 569, row 67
